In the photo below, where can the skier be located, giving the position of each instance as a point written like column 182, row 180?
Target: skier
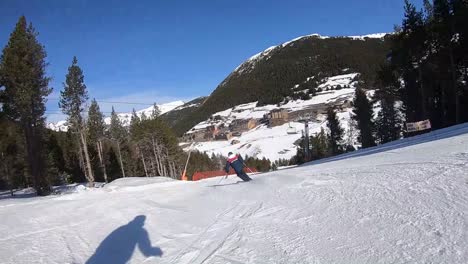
column 237, row 163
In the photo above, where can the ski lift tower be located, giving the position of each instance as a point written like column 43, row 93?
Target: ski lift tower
column 305, row 119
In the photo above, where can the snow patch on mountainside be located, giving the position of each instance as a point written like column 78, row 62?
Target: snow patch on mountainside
column 272, row 143
column 275, row 143
column 342, row 80
column 375, row 35
column 124, row 117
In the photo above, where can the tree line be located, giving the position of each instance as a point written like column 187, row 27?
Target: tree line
column 425, row 77
column 31, row 155
column 427, row 67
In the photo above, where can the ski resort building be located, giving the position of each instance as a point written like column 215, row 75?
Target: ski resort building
column 196, row 136
column 278, row 117
column 243, row 125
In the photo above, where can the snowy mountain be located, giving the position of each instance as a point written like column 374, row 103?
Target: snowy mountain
column 276, row 143
column 402, row 202
column 164, row 108
column 269, row 76
column 171, row 117
column 124, row 117
column 250, row 63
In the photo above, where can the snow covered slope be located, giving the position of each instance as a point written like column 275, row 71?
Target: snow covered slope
column 275, row 143
column 124, row 117
column 403, row 202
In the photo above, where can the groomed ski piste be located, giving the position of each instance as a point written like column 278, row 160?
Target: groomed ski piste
column 402, row 202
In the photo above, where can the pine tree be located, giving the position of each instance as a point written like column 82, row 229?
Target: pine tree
column 96, row 126
column 429, row 55
column 23, row 74
column 363, row 114
column 336, row 132
column 118, row 135
column 460, row 20
column 320, row 145
column 12, row 165
column 156, row 111
column 74, row 96
column 351, row 135
column 96, row 131
column 72, row 101
column 55, row 160
column 134, row 123
column 299, row 158
column 414, row 47
column 443, row 27
column 116, row 130
column 143, row 116
column 388, row 122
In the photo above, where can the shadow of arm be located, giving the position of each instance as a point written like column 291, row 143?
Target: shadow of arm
column 144, row 244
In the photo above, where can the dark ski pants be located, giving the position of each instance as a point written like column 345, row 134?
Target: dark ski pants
column 243, row 176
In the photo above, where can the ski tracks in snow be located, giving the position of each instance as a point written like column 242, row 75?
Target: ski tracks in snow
column 208, row 245
column 405, row 205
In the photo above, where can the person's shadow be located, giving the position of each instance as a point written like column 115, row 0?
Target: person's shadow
column 119, row 245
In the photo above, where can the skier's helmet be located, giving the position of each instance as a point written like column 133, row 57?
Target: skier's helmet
column 230, row 153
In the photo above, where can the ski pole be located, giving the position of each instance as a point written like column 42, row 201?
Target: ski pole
column 248, row 168
column 220, row 180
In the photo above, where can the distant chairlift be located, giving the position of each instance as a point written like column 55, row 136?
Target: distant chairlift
column 291, row 130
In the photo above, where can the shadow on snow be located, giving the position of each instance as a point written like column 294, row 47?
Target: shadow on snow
column 118, row 246
column 7, row 195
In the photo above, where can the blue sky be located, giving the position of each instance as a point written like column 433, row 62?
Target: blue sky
column 165, row 50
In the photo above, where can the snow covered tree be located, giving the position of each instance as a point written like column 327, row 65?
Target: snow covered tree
column 363, row 114
column 72, row 102
column 26, row 86
column 335, row 137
